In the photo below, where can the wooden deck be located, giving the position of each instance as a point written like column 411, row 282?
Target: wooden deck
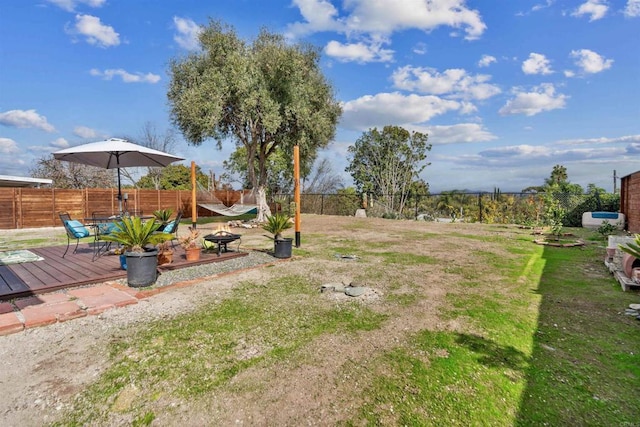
column 55, row 272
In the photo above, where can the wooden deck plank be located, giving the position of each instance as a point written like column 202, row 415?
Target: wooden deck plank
column 55, row 272
column 9, row 282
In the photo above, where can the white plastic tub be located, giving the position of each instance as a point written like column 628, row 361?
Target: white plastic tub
column 596, row 219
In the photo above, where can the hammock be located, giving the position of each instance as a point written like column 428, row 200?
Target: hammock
column 235, row 210
column 212, row 203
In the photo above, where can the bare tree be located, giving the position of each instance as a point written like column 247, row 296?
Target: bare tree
column 150, row 137
column 323, row 179
column 73, row 175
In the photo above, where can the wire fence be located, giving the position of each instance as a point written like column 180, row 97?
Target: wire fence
column 497, row 207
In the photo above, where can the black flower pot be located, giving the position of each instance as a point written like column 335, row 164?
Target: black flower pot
column 282, row 247
column 142, row 268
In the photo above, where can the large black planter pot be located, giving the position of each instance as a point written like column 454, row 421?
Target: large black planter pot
column 141, row 268
column 282, row 248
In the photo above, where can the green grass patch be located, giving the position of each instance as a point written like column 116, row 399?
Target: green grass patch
column 444, row 378
column 196, row 353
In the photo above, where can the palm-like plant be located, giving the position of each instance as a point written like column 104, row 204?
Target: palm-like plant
column 134, row 234
column 632, row 249
column 163, row 215
column 276, row 224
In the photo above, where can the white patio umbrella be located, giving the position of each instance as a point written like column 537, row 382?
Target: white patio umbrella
column 115, row 153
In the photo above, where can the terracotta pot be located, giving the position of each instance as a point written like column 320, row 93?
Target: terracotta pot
column 165, row 257
column 192, row 254
column 628, row 263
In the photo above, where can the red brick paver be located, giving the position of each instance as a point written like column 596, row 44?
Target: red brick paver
column 51, row 312
column 9, row 323
column 97, row 299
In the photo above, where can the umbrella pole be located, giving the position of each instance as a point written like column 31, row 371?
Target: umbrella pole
column 119, row 194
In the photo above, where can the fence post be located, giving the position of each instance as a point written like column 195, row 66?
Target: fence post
column 480, row 207
column 322, row 204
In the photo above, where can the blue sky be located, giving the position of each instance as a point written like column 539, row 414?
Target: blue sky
column 505, row 89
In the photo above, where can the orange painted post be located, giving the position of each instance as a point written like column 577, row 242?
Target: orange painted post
column 194, row 204
column 296, row 191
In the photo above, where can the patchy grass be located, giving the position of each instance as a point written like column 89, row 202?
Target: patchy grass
column 522, row 335
column 197, row 353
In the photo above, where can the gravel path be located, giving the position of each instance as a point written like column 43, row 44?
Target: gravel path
column 253, row 259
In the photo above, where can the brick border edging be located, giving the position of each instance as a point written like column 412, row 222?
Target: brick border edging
column 68, row 304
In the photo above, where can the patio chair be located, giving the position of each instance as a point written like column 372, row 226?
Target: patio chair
column 133, row 212
column 104, row 223
column 75, row 230
column 172, row 228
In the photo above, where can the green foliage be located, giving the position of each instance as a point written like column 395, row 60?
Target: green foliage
column 163, row 216
column 606, row 229
column 267, row 96
column 632, row 249
column 134, row 234
column 386, row 163
column 276, row 224
column 553, row 215
column 174, row 177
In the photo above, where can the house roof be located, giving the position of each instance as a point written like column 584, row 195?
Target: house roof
column 22, row 181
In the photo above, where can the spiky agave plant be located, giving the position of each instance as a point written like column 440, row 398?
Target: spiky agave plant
column 134, row 234
column 276, row 224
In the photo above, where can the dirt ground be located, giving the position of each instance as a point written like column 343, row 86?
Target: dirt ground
column 42, row 369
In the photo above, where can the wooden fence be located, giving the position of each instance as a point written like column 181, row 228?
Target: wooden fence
column 39, row 207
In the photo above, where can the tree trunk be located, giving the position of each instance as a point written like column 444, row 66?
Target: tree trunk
column 263, row 206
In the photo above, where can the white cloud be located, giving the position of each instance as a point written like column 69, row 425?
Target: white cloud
column 358, row 52
column 633, row 9
column 386, row 16
column 393, row 109
column 596, row 9
column 517, row 151
column 70, row 5
column 8, row 146
column 590, row 62
column 541, row 6
column 126, row 76
column 627, row 139
column 542, row 98
column 25, row 119
column 486, row 60
column 463, row 132
column 84, row 132
column 420, row 49
column 60, row 143
column 188, row 33
column 569, row 73
column 454, row 82
column 536, row 64
column 96, row 32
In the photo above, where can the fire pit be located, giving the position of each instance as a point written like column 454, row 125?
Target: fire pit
column 221, row 238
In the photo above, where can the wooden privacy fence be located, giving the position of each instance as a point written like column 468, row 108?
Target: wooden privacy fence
column 39, row 207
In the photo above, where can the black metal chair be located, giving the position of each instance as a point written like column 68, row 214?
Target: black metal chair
column 75, row 230
column 103, row 223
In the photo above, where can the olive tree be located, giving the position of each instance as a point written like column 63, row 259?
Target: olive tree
column 264, row 96
column 385, row 163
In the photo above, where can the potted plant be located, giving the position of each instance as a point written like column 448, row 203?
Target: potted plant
column 165, row 252
column 163, row 216
column 275, row 225
column 138, row 239
column 631, row 254
column 191, row 244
